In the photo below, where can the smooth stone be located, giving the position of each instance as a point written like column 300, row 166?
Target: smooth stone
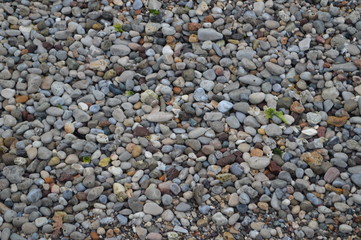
column 251, row 80
column 258, row 162
column 160, row 117
column 205, row 34
column 152, row 209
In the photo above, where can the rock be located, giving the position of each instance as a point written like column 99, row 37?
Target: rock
column 119, row 50
column 224, row 106
column 330, row 93
column 13, row 173
column 256, row 98
column 312, row 158
column 94, row 193
column 274, row 68
column 331, row 174
column 140, row 131
column 356, row 179
column 258, row 162
column 152, row 28
column 200, row 95
column 273, row 130
column 159, row 117
column 9, row 121
column 251, row 80
column 304, row 45
column 34, row 82
column 152, row 209
column 34, row 195
column 337, row 121
column 219, row 219
column 313, row 118
column 154, row 4
column 209, row 34
column 347, row 67
column 8, row 93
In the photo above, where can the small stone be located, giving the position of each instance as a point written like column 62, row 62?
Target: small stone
column 104, row 162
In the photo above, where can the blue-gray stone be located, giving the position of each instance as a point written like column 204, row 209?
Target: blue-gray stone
column 200, row 95
column 106, row 220
column 122, row 219
column 313, row 199
column 34, row 195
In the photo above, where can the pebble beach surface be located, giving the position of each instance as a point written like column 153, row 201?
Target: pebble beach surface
column 189, row 120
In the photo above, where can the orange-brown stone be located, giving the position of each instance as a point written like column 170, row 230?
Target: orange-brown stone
column 193, row 38
column 337, row 121
column 297, row 107
column 209, row 19
column 177, row 90
column 256, row 152
column 21, row 99
column 94, row 236
column 194, row 26
column 312, row 158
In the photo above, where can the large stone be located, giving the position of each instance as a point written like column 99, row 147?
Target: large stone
column 258, row 162
column 13, row 173
column 94, row 193
column 34, row 82
column 274, row 68
column 251, row 80
column 99, row 65
column 205, row 34
column 152, row 209
column 160, row 117
column 119, row 50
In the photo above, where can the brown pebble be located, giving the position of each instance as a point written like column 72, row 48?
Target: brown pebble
column 140, row 131
column 21, row 99
column 172, row 173
column 226, row 160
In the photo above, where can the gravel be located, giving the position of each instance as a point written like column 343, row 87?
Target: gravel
column 180, row 119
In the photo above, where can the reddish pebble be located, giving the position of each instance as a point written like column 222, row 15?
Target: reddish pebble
column 320, row 39
column 194, row 26
column 274, row 168
column 321, row 131
column 140, row 131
